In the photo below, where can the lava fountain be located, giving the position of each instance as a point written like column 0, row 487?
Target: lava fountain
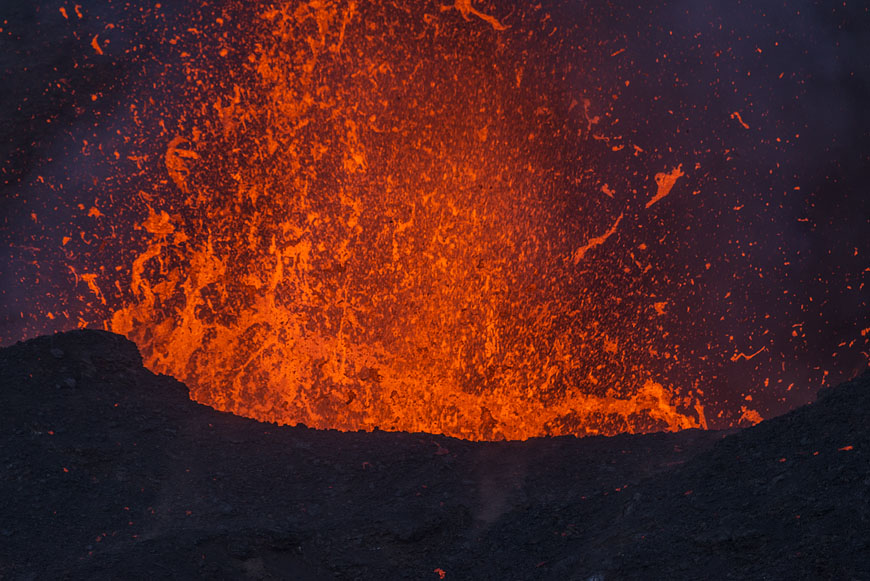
column 417, row 217
column 372, row 231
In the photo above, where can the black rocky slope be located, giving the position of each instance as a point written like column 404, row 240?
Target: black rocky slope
column 109, row 471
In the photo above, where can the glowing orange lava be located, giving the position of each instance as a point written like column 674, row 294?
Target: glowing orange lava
column 360, row 221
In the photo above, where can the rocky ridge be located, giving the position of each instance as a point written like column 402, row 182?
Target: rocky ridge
column 109, row 471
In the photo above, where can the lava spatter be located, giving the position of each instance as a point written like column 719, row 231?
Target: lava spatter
column 486, row 220
column 361, row 233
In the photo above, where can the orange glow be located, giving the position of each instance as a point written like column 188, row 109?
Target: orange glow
column 749, row 416
column 736, row 115
column 356, row 228
column 665, row 183
column 96, row 45
column 598, row 241
column 745, row 357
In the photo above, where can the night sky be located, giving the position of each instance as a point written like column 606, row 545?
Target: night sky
column 743, row 286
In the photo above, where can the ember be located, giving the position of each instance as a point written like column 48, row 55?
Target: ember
column 449, row 219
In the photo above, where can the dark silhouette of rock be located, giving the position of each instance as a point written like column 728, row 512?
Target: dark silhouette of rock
column 125, row 477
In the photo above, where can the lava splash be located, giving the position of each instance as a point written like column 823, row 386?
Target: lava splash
column 476, row 219
column 371, row 231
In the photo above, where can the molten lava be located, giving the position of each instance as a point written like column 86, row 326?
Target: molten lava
column 415, row 216
column 369, row 232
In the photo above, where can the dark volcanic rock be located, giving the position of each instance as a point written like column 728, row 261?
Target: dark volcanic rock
column 122, row 476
